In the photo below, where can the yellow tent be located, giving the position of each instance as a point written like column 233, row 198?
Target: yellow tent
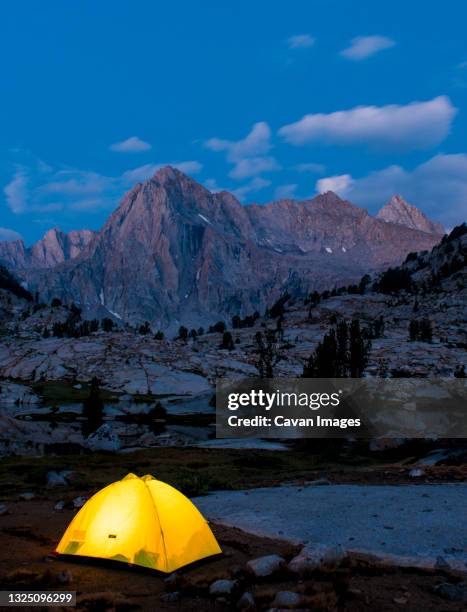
column 141, row 521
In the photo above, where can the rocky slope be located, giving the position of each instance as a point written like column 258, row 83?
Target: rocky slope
column 175, row 253
column 54, row 248
column 182, row 373
column 398, row 211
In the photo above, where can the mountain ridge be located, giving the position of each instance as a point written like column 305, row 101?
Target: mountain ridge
column 173, row 252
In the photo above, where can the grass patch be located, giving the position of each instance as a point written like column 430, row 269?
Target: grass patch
column 195, row 471
column 58, row 392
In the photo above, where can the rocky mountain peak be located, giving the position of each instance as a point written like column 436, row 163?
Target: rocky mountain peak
column 53, row 248
column 399, row 211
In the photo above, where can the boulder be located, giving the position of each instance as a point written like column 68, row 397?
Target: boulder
column 56, row 479
column 27, row 496
column 79, row 502
column 265, row 566
column 287, row 599
column 312, row 558
column 452, row 592
column 103, row 439
column 246, row 602
column 172, row 597
column 221, row 588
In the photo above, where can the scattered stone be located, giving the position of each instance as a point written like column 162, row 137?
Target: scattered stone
column 3, row 510
column 382, row 444
column 220, row 588
column 416, row 473
column 287, row 599
column 452, row 592
column 28, row 496
column 441, row 563
column 311, row 558
column 56, row 479
column 265, row 566
column 106, row 600
column 319, row 482
column 64, row 577
column 400, row 600
column 78, row 502
column 246, row 602
column 103, row 439
column 172, row 581
column 59, row 506
column 170, row 597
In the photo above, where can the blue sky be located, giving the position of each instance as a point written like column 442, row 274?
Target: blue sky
column 266, row 99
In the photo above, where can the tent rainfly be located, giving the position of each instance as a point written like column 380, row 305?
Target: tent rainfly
column 140, row 521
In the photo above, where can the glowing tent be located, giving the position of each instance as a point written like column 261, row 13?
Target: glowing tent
column 141, row 521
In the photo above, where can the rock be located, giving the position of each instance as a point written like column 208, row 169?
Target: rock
column 312, row 558
column 265, row 566
column 452, row 592
column 27, row 496
column 64, row 577
column 79, row 502
column 443, row 455
column 201, row 225
column 246, row 602
column 287, row 599
column 397, row 210
column 56, row 479
column 441, row 563
column 103, row 439
column 220, row 588
column 172, row 597
column 3, row 510
column 59, row 506
column 319, row 482
column 382, row 444
column 172, row 581
column 416, row 473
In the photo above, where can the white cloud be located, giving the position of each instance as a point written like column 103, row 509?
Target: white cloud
column 143, row 173
column 257, row 142
column 77, row 182
column 256, row 184
column 130, row 145
column 312, row 168
column 91, row 204
column 252, row 166
column 42, row 189
column 212, row 185
column 300, row 41
column 248, row 155
column 188, row 167
column 362, row 47
column 438, row 186
column 412, row 126
column 16, row 192
column 340, row 184
column 140, row 174
column 7, row 235
column 285, row 192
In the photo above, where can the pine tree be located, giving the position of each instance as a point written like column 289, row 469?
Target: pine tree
column 413, row 330
column 182, row 333
column 342, row 353
column 227, row 341
column 268, row 355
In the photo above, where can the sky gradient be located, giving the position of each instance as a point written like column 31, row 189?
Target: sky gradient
column 265, row 99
